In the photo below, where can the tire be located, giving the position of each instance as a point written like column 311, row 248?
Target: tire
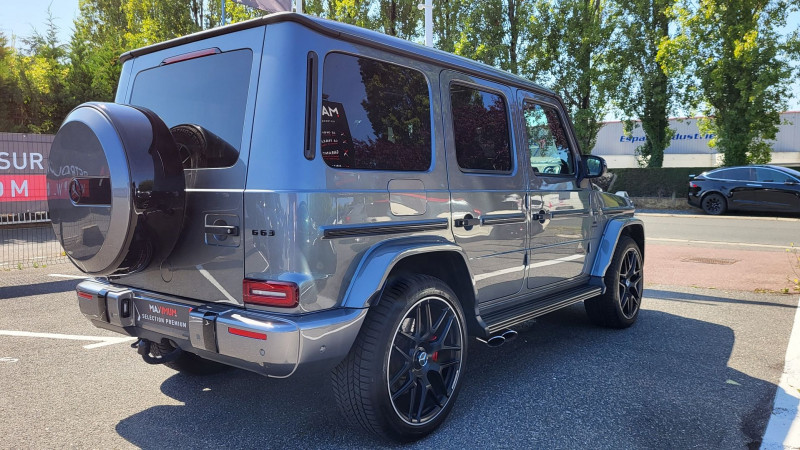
column 116, row 189
column 400, row 381
column 714, row 204
column 619, row 306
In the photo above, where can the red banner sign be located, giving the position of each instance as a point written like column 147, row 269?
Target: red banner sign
column 23, row 188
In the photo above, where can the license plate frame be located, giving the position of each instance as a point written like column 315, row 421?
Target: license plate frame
column 164, row 317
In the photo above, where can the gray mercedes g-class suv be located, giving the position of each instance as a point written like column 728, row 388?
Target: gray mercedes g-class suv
column 293, row 194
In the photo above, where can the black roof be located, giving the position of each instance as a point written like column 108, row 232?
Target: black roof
column 356, row 35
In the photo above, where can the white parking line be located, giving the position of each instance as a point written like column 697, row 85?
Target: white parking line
column 61, row 275
column 102, row 341
column 783, row 429
column 736, row 244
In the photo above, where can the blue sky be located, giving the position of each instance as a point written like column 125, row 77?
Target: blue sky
column 21, row 17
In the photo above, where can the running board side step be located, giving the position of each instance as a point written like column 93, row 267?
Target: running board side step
column 504, row 318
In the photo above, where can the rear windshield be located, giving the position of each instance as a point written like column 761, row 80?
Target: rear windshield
column 209, row 92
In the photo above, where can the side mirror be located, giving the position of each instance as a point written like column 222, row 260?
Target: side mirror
column 594, row 166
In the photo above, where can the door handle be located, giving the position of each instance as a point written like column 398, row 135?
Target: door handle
column 466, row 222
column 542, row 216
column 227, row 230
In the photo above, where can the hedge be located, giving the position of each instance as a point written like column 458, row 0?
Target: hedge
column 663, row 182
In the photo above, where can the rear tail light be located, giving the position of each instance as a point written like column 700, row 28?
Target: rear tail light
column 270, row 293
column 692, row 185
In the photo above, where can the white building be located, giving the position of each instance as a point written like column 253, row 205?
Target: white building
column 689, row 147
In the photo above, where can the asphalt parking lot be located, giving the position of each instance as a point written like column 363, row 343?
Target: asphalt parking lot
column 699, row 369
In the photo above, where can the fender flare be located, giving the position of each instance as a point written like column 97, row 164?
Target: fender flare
column 369, row 277
column 608, row 242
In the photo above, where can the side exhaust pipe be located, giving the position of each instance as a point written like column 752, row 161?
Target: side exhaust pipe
column 509, row 335
column 500, row 338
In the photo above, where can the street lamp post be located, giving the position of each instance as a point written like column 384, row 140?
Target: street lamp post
column 428, row 7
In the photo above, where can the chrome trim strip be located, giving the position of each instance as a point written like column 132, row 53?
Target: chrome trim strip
column 498, row 219
column 568, row 212
column 235, row 191
column 618, row 210
column 338, row 231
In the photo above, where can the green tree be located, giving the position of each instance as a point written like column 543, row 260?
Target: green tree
column 400, row 18
column 41, row 72
column 234, row 12
column 153, row 21
column 448, row 21
column 10, row 95
column 95, row 47
column 646, row 92
column 105, row 29
column 494, row 32
column 571, row 51
column 733, row 51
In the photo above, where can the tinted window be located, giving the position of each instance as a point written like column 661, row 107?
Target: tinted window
column 375, row 115
column 480, row 129
column 738, row 173
column 209, row 92
column 547, row 141
column 772, row 176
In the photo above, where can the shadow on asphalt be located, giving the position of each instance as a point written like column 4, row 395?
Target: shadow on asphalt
column 706, row 299
column 563, row 383
column 28, row 290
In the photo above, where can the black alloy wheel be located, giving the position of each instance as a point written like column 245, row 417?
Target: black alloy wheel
column 404, row 371
column 619, row 305
column 425, row 360
column 630, row 283
column 714, row 204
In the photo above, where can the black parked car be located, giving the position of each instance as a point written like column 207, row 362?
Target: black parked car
column 747, row 188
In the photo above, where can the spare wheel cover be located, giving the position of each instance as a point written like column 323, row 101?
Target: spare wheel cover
column 98, row 161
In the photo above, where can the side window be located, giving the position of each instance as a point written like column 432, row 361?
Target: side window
column 772, row 176
column 723, row 174
column 739, row 173
column 375, row 115
column 480, row 129
column 547, row 141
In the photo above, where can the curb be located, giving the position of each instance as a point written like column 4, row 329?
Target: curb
column 783, row 429
column 706, row 216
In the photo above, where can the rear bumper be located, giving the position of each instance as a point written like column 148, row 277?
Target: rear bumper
column 694, row 200
column 272, row 345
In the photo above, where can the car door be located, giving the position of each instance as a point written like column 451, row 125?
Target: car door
column 774, row 192
column 562, row 222
column 486, row 186
column 741, row 185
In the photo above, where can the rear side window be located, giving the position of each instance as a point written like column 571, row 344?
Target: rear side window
column 375, row 115
column 738, row 173
column 202, row 100
column 480, row 129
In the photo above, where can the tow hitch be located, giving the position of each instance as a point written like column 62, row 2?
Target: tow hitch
column 154, row 353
